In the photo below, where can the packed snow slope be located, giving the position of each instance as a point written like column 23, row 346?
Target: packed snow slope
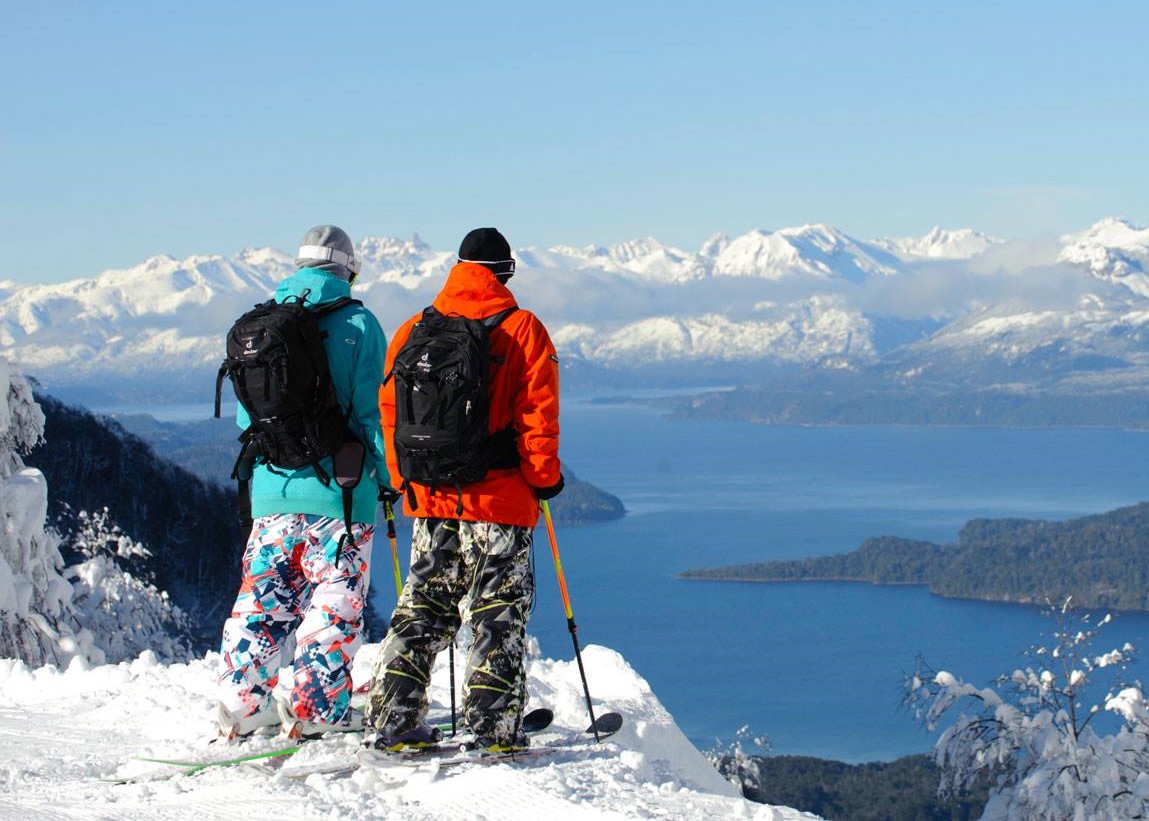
column 66, row 734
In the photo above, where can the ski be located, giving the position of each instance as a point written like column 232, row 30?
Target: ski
column 603, row 727
column 450, row 754
column 193, row 767
column 535, row 721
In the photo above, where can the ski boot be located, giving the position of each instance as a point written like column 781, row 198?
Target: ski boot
column 298, row 729
column 420, row 737
column 233, row 727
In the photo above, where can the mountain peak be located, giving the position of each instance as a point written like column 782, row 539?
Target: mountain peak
column 816, row 249
column 939, row 243
column 263, row 256
column 1114, row 232
column 375, row 247
column 1114, row 250
column 820, row 229
column 714, row 245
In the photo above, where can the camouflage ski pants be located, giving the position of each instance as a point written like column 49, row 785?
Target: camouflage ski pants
column 487, row 571
column 292, row 588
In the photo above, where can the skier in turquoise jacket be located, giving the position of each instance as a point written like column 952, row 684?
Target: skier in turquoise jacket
column 297, row 579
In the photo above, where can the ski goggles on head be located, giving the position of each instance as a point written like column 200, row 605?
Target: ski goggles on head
column 498, row 266
column 348, row 261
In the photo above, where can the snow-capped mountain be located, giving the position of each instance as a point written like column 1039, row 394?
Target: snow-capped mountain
column 1083, row 323
column 821, row 331
column 813, row 250
column 645, row 258
column 1018, row 343
column 939, row 243
column 1114, row 250
column 810, row 296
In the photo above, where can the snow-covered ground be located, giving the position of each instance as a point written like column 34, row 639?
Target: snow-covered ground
column 65, row 734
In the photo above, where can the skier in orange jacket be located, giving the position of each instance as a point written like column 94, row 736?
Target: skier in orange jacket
column 472, row 543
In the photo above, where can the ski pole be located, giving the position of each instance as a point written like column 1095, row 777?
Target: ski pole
column 569, row 612
column 451, row 663
column 389, row 512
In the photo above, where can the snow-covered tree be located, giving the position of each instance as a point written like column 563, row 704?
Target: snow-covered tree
column 101, row 609
column 1034, row 735
column 36, row 621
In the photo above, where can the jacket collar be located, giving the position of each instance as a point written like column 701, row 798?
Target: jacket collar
column 473, row 291
column 321, row 286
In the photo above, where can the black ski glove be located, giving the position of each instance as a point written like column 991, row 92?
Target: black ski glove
column 551, row 492
column 389, row 495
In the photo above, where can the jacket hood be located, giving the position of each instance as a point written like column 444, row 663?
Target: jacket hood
column 320, row 286
column 473, row 291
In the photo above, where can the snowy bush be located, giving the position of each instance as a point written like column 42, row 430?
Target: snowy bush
column 740, row 768
column 126, row 613
column 1033, row 734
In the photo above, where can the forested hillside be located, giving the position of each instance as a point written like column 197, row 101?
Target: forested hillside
column 1098, row 560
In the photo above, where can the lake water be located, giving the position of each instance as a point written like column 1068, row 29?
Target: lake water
column 815, row 667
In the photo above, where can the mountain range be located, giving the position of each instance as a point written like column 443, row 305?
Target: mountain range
column 954, row 307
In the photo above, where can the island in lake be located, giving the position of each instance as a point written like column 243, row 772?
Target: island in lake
column 1099, row 560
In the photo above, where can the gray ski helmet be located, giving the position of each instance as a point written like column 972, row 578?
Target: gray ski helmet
column 328, row 248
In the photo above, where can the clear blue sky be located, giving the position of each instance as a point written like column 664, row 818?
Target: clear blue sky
column 136, row 128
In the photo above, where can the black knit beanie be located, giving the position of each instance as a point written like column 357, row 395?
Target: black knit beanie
column 488, row 247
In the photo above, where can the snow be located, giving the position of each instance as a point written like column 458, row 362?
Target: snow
column 64, row 730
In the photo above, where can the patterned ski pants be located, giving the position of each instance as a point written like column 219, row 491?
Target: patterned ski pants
column 488, row 570
column 292, row 585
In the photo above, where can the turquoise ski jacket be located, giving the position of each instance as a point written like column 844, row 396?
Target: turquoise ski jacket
column 356, row 349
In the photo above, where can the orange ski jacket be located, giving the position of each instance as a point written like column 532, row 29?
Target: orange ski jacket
column 524, row 395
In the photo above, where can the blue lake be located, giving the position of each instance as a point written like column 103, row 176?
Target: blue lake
column 815, row 667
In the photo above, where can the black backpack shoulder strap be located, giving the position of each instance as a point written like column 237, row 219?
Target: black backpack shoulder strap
column 495, row 320
column 332, row 307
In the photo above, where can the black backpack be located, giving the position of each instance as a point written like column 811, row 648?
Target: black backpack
column 279, row 370
column 441, row 403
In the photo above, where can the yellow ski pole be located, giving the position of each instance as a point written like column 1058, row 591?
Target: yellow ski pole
column 389, row 512
column 569, row 612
